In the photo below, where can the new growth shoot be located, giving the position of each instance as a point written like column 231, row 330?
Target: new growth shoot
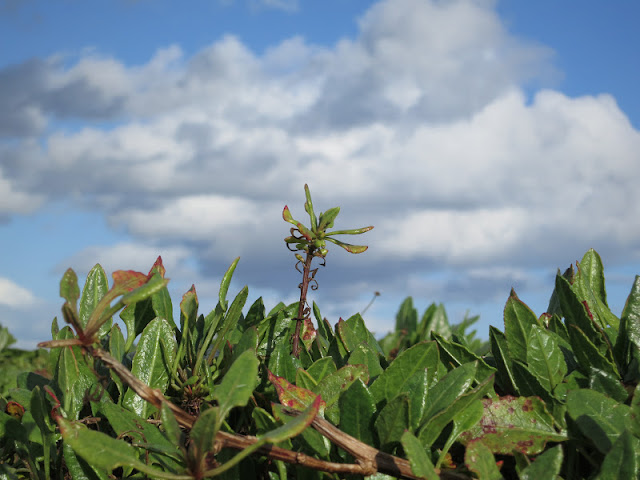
column 313, row 242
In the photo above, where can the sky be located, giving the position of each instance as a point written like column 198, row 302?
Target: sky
column 489, row 143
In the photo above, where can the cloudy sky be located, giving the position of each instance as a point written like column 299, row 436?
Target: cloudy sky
column 489, row 143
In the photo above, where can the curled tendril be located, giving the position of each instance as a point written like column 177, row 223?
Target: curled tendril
column 313, row 284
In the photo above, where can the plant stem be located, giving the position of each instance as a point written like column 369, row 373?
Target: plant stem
column 304, row 287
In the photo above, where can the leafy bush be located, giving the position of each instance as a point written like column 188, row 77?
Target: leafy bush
column 271, row 395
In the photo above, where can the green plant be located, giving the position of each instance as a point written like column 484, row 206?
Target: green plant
column 312, row 241
column 555, row 396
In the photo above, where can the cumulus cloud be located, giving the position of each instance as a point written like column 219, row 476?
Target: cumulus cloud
column 13, row 295
column 419, row 125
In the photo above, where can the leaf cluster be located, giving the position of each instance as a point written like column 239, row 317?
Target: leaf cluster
column 220, row 395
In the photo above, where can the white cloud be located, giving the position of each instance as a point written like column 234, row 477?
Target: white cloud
column 13, row 295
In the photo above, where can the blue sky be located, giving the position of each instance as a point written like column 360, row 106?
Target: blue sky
column 490, row 143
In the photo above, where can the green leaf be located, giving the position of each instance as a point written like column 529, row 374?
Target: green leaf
column 238, row 384
column 226, row 281
column 628, row 341
column 73, row 376
column 420, row 462
column 502, row 357
column 479, row 459
column 407, row 317
column 546, row 465
column 95, row 288
column 518, row 320
column 392, row 422
column 423, row 355
column 575, row 313
column 435, row 320
column 599, row 418
column 608, row 384
column 433, row 426
column 362, row 333
column 282, row 363
column 634, row 412
column 296, row 425
column 544, row 358
column 308, row 207
column 357, row 409
column 160, row 449
column 462, row 421
column 327, row 218
column 172, row 430
column 347, row 246
column 69, row 289
column 292, row 396
column 203, row 435
column 152, row 363
column 334, row 384
column 621, row 462
column 453, row 355
column 448, row 389
column 321, row 368
column 365, row 355
column 103, row 452
column 588, row 354
column 509, row 424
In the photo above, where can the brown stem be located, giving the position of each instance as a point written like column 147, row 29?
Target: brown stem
column 304, row 287
column 370, row 460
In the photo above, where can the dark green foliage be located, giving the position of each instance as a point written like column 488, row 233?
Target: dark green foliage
column 551, row 396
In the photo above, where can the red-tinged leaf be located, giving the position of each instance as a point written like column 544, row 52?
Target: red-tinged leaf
column 308, row 333
column 286, row 215
column 292, row 396
column 158, row 268
column 128, row 280
column 510, row 424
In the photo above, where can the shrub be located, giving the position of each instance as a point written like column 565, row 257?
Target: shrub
column 271, row 395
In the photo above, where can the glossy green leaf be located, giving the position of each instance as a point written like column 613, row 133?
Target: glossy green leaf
column 463, row 420
column 608, row 384
column 282, row 363
column 407, row 317
column 152, row 363
column 392, row 381
column 392, row 421
column 421, row 464
column 453, row 354
column 357, row 409
column 621, row 462
column 544, row 358
column 238, row 383
column 230, row 320
column 502, row 357
column 432, row 426
column 79, row 468
column 296, row 425
column 73, row 377
column 599, row 418
column 546, row 465
column 95, row 288
column 170, row 425
column 105, row 452
column 448, row 389
column 628, row 340
column 518, row 320
column 588, row 354
column 478, row 458
column 434, row 319
column 203, row 435
column 418, row 387
column 226, row 281
column 292, row 396
column 509, row 424
column 634, row 412
column 334, row 384
column 321, row 368
column 365, row 355
column 575, row 312
column 362, row 333
column 161, row 450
